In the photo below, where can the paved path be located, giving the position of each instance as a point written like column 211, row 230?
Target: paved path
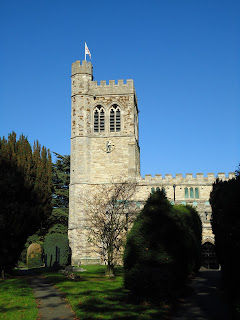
column 52, row 305
column 206, row 302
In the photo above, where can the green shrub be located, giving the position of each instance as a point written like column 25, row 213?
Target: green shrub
column 34, row 256
column 58, row 228
column 159, row 252
column 190, row 222
column 56, row 250
column 35, row 238
column 225, row 202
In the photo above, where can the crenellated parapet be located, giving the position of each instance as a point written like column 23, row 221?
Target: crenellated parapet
column 112, row 87
column 82, row 76
column 83, row 68
column 188, row 179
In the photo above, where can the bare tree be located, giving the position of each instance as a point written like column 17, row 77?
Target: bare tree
column 110, row 212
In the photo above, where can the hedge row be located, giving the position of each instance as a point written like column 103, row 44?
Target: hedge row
column 56, row 252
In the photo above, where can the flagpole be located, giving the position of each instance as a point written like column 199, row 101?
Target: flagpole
column 85, row 50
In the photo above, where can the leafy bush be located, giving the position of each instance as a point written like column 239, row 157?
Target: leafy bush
column 34, row 256
column 56, row 250
column 58, row 228
column 35, row 238
column 159, row 252
column 189, row 221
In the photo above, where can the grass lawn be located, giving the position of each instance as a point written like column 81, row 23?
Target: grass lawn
column 17, row 300
column 95, row 296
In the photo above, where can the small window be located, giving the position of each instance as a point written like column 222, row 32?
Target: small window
column 184, row 203
column 196, row 193
column 191, row 193
column 207, row 203
column 152, row 190
column 115, row 118
column 99, row 119
column 195, row 203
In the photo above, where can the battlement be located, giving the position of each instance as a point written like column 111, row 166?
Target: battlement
column 112, row 88
column 189, row 179
column 84, row 68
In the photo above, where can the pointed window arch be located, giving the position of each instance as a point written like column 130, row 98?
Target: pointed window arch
column 115, row 118
column 99, row 119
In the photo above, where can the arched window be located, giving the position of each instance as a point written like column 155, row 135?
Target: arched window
column 196, row 193
column 186, row 193
column 99, row 119
column 115, row 118
column 191, row 193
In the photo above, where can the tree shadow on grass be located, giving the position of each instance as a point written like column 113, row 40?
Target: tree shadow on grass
column 95, row 296
column 16, row 300
column 113, row 305
column 4, row 309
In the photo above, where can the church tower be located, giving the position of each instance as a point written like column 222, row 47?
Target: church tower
column 104, row 145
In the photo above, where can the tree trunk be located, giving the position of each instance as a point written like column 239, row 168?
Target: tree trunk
column 109, row 270
column 3, row 274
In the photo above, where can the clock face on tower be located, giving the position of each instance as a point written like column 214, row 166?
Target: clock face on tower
column 108, row 146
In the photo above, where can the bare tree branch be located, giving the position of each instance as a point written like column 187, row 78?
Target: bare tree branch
column 110, row 210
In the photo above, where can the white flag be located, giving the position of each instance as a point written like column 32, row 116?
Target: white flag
column 87, row 51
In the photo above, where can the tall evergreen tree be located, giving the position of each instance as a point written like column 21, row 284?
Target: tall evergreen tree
column 25, row 194
column 60, row 200
column 57, row 222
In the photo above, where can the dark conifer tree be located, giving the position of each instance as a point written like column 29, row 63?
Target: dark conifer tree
column 225, row 202
column 60, row 201
column 25, row 194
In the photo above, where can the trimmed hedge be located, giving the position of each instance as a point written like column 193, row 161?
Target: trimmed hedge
column 34, row 256
column 162, row 249
column 56, row 249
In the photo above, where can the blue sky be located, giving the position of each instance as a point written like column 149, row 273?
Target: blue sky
column 184, row 57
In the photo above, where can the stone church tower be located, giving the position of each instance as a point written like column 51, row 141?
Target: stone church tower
column 104, row 145
column 105, row 149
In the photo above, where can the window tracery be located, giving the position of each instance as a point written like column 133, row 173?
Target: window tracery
column 99, row 119
column 115, row 118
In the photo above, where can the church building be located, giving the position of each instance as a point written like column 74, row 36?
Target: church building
column 105, row 148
